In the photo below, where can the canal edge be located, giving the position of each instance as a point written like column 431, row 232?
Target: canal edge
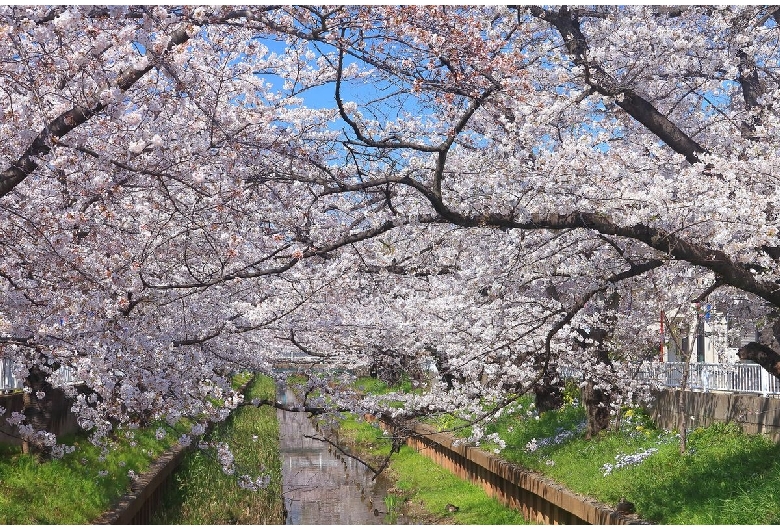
column 138, row 505
column 538, row 497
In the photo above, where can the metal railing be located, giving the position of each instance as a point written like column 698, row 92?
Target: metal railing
column 8, row 382
column 705, row 377
column 740, row 377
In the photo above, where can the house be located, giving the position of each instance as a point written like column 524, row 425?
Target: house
column 704, row 332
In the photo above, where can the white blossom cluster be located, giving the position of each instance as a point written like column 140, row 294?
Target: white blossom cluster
column 38, row 437
column 622, row 460
column 562, row 435
column 478, row 437
column 248, row 483
column 225, row 458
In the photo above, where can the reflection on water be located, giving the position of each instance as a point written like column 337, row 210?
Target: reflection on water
column 320, row 487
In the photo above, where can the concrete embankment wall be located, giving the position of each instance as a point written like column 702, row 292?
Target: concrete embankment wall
column 139, row 504
column 755, row 413
column 62, row 419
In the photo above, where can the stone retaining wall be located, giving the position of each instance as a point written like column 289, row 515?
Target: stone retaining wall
column 755, row 413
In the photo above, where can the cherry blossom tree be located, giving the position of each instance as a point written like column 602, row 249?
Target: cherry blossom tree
column 498, row 192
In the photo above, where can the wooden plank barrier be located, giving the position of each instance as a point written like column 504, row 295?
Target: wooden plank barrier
column 139, row 504
column 538, row 498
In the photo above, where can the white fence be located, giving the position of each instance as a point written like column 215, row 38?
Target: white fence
column 740, row 377
column 7, row 379
column 8, row 382
column 706, row 377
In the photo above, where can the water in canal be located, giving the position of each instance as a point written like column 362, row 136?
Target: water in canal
column 320, row 487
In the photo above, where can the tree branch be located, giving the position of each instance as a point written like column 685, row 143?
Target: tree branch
column 568, row 25
column 759, row 353
column 732, row 273
column 71, row 119
column 765, row 355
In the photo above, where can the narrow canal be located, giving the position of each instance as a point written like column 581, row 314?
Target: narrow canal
column 319, row 486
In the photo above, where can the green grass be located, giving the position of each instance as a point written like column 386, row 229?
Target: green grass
column 203, row 494
column 726, row 476
column 393, row 505
column 82, row 485
column 422, row 481
column 77, row 488
column 297, row 379
column 371, row 385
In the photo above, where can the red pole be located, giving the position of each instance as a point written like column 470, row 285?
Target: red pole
column 661, row 349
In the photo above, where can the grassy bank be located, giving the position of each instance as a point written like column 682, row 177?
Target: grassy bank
column 424, row 490
column 726, row 477
column 79, row 487
column 203, row 494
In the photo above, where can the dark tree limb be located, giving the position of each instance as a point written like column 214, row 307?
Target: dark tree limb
column 78, row 115
column 305, row 349
column 763, row 355
column 767, row 352
column 568, row 25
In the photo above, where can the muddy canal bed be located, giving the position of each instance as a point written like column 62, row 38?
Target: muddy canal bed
column 319, row 485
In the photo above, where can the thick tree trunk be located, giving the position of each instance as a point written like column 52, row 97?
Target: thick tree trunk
column 767, row 352
column 548, row 392
column 597, row 406
column 39, row 411
column 597, row 401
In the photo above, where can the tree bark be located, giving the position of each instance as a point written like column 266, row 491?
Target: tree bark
column 38, row 411
column 768, row 358
column 597, row 401
column 548, row 392
column 767, row 352
column 732, row 272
